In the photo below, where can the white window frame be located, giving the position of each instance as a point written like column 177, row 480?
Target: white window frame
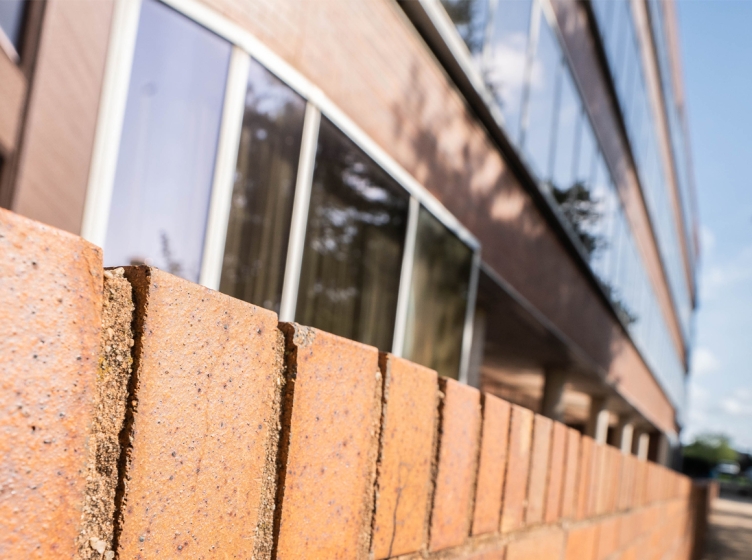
column 246, row 46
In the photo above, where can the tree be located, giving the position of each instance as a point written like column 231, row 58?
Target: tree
column 712, row 448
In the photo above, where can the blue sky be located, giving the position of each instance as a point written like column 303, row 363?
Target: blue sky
column 717, row 58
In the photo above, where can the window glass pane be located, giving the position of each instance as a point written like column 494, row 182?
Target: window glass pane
column 354, row 241
column 259, row 227
column 11, row 20
column 438, row 297
column 569, row 111
column 586, row 154
column 536, row 138
column 469, row 17
column 505, row 59
column 165, row 167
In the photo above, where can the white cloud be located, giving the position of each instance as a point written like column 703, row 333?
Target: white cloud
column 707, row 240
column 704, row 362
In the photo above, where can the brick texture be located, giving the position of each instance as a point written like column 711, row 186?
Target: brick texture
column 569, row 492
column 330, row 446
column 584, row 477
column 459, row 436
column 539, row 463
column 492, row 465
column 203, row 425
column 515, row 485
column 546, row 543
column 403, row 484
column 556, row 470
column 50, row 316
column 581, row 543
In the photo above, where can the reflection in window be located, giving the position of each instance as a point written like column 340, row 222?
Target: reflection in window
column 505, row 59
column 438, row 297
column 11, row 20
column 354, row 242
column 165, row 166
column 469, row 17
column 541, row 92
column 565, row 138
column 259, row 228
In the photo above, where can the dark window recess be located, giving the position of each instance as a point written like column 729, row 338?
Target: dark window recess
column 258, row 231
column 354, row 242
column 438, row 297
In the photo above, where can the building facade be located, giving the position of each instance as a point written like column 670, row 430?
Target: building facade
column 500, row 190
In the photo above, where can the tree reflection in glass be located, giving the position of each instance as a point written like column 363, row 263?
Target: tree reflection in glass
column 438, row 297
column 258, row 231
column 354, row 242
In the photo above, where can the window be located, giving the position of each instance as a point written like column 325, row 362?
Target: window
column 505, row 59
column 541, row 93
column 262, row 197
column 469, row 16
column 355, row 236
column 11, row 22
column 438, row 297
column 165, row 166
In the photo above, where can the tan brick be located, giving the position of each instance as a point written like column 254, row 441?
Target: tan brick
column 608, row 537
column 584, row 477
column 541, row 453
column 403, row 483
column 581, row 543
column 459, row 441
column 50, row 316
column 569, row 492
column 546, row 543
column 497, row 554
column 203, row 431
column 518, row 462
column 329, row 446
column 492, row 465
column 597, row 502
column 614, row 480
column 556, row 468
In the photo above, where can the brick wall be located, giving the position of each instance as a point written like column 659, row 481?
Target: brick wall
column 144, row 416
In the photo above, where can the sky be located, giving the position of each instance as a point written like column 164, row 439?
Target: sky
column 716, row 47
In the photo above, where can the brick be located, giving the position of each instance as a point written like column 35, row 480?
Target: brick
column 518, row 462
column 202, row 425
column 608, row 538
column 614, row 480
column 556, row 468
column 597, row 502
column 581, row 543
column 408, row 432
column 50, row 317
column 569, row 492
column 497, row 554
column 459, row 436
column 584, row 478
column 492, row 465
column 541, row 453
column 546, row 543
column 329, row 446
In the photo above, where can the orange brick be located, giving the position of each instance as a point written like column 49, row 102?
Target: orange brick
column 403, row 483
column 518, row 462
column 581, row 543
column 556, row 467
column 498, row 554
column 569, row 492
column 584, row 478
column 541, row 453
column 598, row 489
column 50, row 314
column 614, row 480
column 456, row 466
column 492, row 465
column 608, row 537
column 202, row 461
column 329, row 446
column 546, row 543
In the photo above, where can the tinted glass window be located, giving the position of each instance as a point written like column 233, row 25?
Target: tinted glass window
column 438, row 297
column 536, row 137
column 505, row 59
column 259, row 227
column 11, row 20
column 165, row 166
column 469, row 17
column 354, row 241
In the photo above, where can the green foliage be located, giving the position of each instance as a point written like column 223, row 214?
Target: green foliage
column 713, row 448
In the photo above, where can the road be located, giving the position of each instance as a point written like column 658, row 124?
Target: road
column 730, row 530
